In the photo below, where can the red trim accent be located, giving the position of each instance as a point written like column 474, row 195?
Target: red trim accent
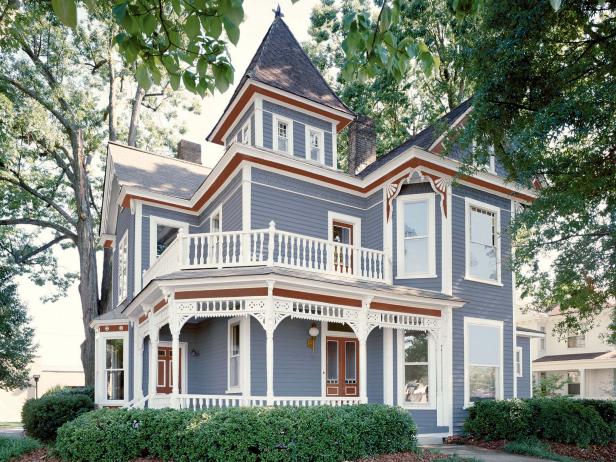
column 160, row 305
column 108, row 244
column 244, row 292
column 251, row 90
column 405, row 309
column 114, row 328
column 143, row 318
column 296, row 294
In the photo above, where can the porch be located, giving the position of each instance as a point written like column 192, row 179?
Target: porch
column 292, row 351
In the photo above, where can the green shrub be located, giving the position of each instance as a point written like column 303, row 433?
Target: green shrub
column 499, row 420
column 42, row 417
column 11, row 447
column 534, row 448
column 562, row 420
column 238, row 434
column 62, row 390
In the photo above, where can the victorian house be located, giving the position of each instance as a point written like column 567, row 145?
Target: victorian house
column 276, row 278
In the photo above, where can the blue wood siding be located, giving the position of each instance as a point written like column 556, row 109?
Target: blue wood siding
column 524, row 382
column 299, row 122
column 302, row 207
column 145, row 377
column 374, row 373
column 485, row 301
column 297, row 369
column 258, row 376
column 420, row 283
column 125, row 223
column 234, row 133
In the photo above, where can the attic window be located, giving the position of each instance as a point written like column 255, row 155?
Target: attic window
column 315, row 144
column 282, row 137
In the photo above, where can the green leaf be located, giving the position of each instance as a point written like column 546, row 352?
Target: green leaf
column 66, row 11
column 385, row 21
column 229, row 11
column 174, row 81
column 119, row 12
column 149, row 24
column 170, row 64
column 220, row 79
column 213, row 26
column 177, row 6
column 155, row 73
column 143, row 76
column 189, row 81
column 202, row 66
column 233, row 32
column 192, row 27
column 202, row 87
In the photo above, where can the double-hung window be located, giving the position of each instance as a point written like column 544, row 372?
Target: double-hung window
column 282, row 135
column 482, row 242
column 114, row 369
column 519, row 366
column 576, row 341
column 416, row 236
column 314, row 143
column 417, row 373
column 123, row 268
column 234, row 360
column 574, row 387
column 483, row 364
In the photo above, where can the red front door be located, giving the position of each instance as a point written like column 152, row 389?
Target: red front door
column 164, row 383
column 342, row 359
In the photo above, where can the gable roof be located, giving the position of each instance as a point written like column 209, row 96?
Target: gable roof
column 281, row 62
column 424, row 139
column 155, row 172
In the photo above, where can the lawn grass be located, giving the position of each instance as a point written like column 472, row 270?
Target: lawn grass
column 16, row 446
column 535, row 448
column 10, row 424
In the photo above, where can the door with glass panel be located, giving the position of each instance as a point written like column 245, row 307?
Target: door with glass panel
column 164, row 381
column 342, row 235
column 342, row 359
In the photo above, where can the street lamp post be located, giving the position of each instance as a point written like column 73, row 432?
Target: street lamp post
column 36, row 378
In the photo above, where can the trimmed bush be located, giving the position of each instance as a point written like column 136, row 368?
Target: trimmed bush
column 42, row 417
column 11, row 447
column 563, row 420
column 320, row 433
column 59, row 390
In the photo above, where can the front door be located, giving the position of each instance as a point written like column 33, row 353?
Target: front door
column 164, row 383
column 342, row 233
column 342, row 374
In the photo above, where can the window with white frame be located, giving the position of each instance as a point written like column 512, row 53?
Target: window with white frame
column 576, row 341
column 163, row 232
column 216, row 221
column 416, row 368
column 482, row 242
column 483, row 360
column 519, row 358
column 314, row 143
column 123, row 268
column 574, row 387
column 416, row 236
column 234, row 360
column 245, row 133
column 282, row 135
column 114, row 369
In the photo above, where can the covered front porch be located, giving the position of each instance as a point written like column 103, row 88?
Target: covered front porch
column 287, row 341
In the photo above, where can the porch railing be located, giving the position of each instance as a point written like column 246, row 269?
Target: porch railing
column 270, row 247
column 199, row 402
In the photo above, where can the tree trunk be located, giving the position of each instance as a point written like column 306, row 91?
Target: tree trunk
column 88, row 282
column 134, row 117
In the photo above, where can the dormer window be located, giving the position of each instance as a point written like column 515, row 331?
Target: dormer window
column 282, row 140
column 315, row 144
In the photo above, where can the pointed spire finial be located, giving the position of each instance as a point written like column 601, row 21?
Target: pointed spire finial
column 278, row 12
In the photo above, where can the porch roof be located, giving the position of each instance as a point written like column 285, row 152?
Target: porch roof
column 577, row 357
column 311, row 276
column 110, row 316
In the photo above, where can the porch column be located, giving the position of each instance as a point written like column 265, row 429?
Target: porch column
column 175, row 352
column 388, row 366
column 269, row 342
column 153, row 373
column 137, row 361
column 362, row 336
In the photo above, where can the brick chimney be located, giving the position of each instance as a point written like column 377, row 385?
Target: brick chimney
column 187, row 150
column 362, row 144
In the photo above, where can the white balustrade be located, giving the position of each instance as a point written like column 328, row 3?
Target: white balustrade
column 270, row 247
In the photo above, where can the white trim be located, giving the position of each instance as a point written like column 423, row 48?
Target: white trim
column 334, row 147
column 453, row 125
column 154, row 222
column 276, row 119
column 515, row 310
column 432, row 371
column 216, row 211
column 258, row 105
column 323, row 358
column 123, row 290
column 184, row 354
column 244, row 355
column 101, row 366
column 519, row 364
column 246, row 197
column 447, row 246
column 247, row 125
column 308, row 145
column 501, row 377
column 388, row 366
column 401, row 272
column 468, row 203
column 350, row 219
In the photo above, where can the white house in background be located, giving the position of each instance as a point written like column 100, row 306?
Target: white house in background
column 586, row 360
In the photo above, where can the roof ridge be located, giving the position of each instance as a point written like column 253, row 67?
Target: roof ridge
column 194, row 164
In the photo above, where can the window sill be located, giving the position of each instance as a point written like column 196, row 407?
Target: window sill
column 419, row 407
column 233, row 391
column 483, row 281
column 415, row 276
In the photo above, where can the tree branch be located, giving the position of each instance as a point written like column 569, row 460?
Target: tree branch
column 24, row 258
column 42, row 223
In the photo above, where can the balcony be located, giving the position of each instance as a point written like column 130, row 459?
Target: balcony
column 270, row 247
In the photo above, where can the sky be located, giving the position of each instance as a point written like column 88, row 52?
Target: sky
column 58, row 326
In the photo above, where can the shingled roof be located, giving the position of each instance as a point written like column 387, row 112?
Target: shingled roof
column 423, row 139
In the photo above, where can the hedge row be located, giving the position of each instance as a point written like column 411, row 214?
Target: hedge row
column 562, row 420
column 42, row 417
column 319, row 433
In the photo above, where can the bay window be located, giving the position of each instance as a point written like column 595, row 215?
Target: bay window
column 416, row 236
column 114, row 369
column 482, row 242
column 483, row 363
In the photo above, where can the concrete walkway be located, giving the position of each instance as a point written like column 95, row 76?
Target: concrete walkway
column 12, row 431
column 484, row 455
